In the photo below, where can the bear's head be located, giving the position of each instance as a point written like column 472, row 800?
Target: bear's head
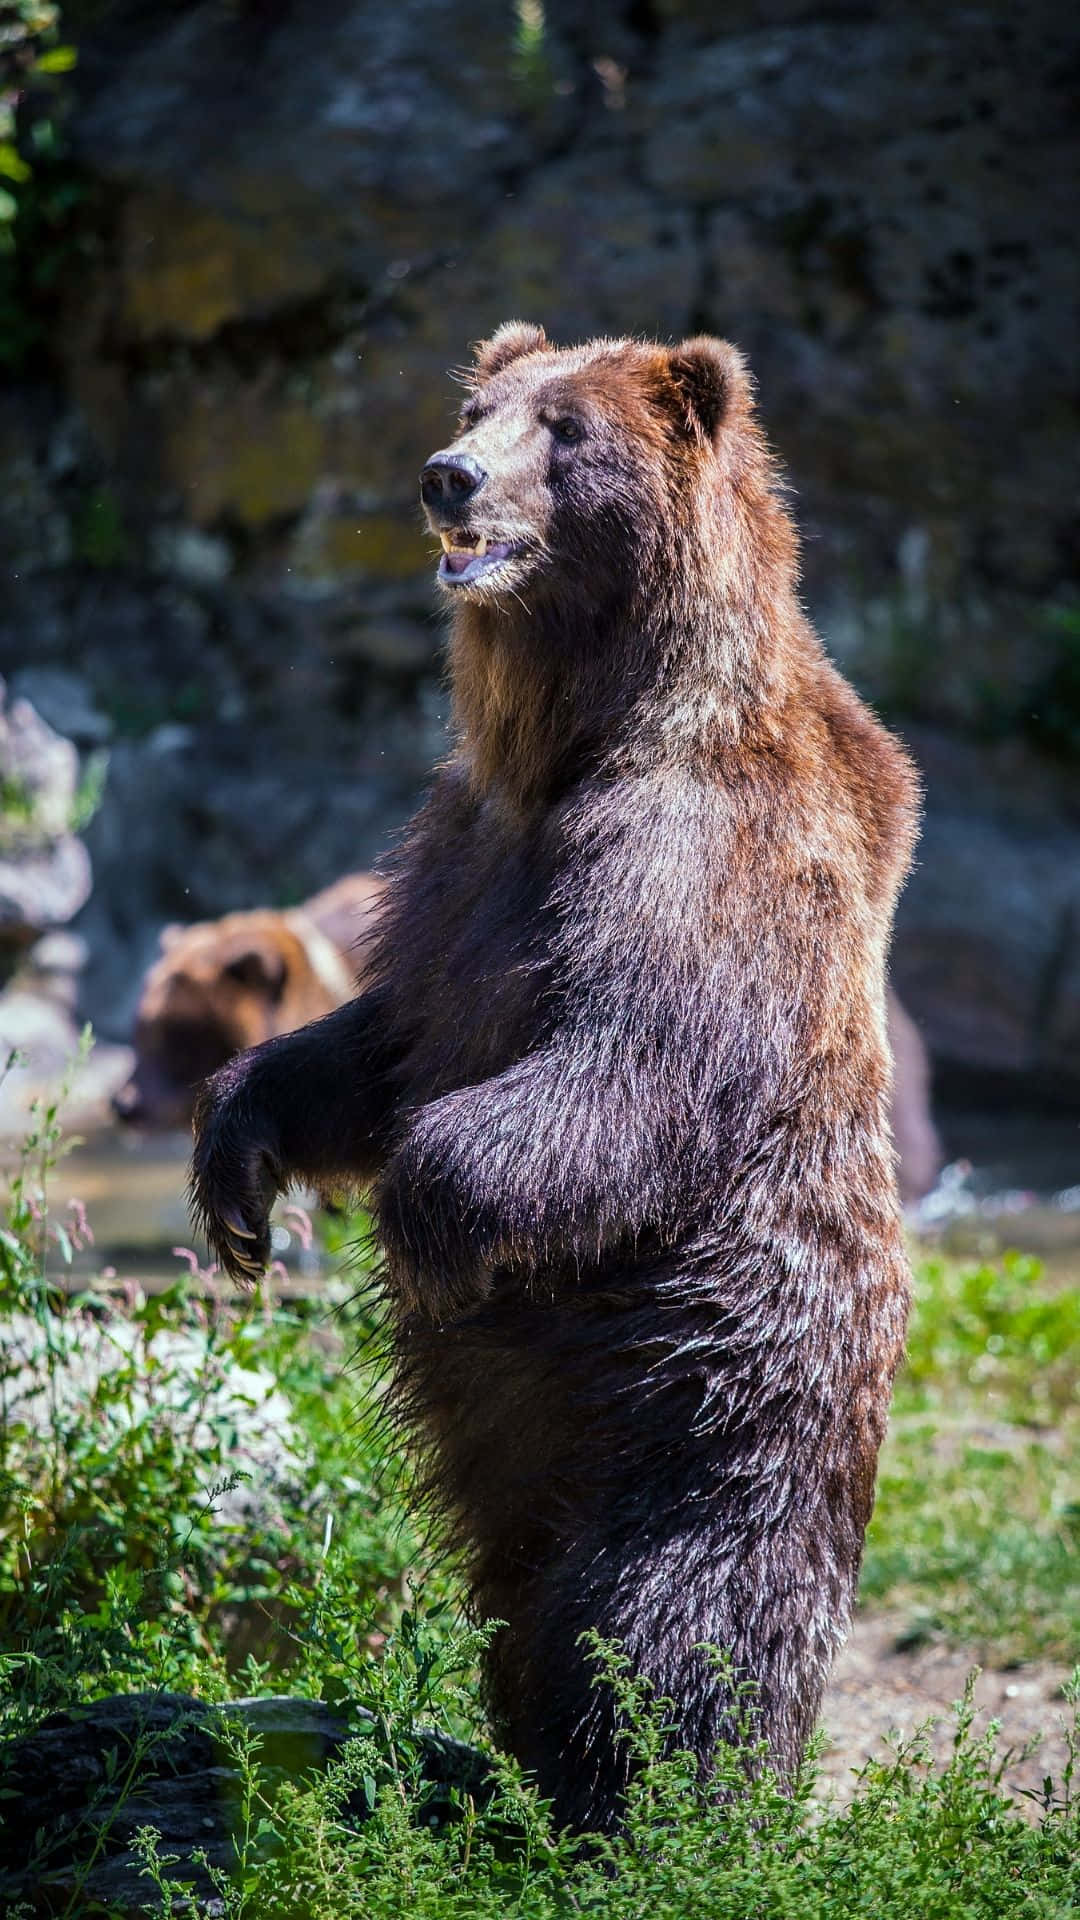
column 619, row 558
column 582, row 473
column 217, row 987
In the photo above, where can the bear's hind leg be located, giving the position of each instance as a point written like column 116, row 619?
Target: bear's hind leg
column 774, row 1606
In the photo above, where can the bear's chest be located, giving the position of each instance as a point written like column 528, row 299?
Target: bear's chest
column 481, row 969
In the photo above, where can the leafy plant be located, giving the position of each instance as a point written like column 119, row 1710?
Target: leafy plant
column 164, row 1461
column 1052, row 714
column 734, row 1847
column 98, row 533
column 40, row 190
column 137, row 1555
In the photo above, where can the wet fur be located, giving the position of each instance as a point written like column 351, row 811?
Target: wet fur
column 621, row 1079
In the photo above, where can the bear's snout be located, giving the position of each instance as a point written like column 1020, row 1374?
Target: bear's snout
column 449, row 480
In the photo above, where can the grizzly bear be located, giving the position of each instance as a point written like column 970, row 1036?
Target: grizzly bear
column 219, row 986
column 620, row 1074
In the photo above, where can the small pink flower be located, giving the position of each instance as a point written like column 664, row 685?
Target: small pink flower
column 82, row 1233
column 299, row 1220
column 185, row 1253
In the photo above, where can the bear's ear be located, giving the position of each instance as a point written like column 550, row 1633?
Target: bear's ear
column 713, row 383
column 509, row 342
column 258, row 966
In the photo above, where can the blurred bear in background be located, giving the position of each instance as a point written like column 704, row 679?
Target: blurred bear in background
column 222, row 985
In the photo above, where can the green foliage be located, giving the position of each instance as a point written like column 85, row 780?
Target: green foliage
column 1042, row 705
column 28, row 30
column 125, row 1556
column 90, row 791
column 993, row 1333
column 20, row 824
column 530, row 59
column 136, row 1555
column 977, row 1525
column 982, row 1546
column 98, row 533
column 16, row 808
column 41, row 192
column 1053, row 719
column 944, row 1842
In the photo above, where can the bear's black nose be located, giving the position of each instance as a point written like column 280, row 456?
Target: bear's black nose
column 449, row 479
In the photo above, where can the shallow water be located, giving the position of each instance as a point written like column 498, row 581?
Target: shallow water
column 134, row 1189
column 1013, row 1181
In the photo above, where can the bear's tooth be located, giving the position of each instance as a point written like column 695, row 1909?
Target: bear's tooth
column 447, row 543
column 481, row 546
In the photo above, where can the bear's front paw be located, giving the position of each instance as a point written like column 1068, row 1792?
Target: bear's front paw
column 434, row 1266
column 235, row 1178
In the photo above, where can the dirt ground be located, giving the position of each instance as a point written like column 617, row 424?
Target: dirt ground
column 875, row 1689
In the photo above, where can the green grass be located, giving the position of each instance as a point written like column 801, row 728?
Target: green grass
column 129, row 1559
column 976, row 1532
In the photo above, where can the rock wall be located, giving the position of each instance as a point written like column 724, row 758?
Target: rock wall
column 207, row 491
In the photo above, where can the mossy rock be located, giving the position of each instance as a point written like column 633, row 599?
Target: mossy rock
column 240, row 451
column 349, row 543
column 188, row 269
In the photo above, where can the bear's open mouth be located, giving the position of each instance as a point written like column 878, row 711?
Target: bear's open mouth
column 464, row 562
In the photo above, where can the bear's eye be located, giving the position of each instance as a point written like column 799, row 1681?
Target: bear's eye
column 568, row 430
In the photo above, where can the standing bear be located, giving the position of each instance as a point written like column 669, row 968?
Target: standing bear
column 620, row 1076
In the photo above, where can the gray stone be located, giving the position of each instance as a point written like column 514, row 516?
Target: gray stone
column 44, row 869
column 40, row 1053
column 987, row 951
column 56, row 953
column 1060, row 1039
column 52, row 967
column 201, row 559
column 42, row 886
column 40, row 773
column 316, row 142
column 65, row 702
column 977, row 935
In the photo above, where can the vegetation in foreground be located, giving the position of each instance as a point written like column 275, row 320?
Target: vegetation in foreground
column 199, row 1496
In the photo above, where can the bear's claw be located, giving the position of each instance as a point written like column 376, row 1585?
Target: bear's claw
column 232, row 1224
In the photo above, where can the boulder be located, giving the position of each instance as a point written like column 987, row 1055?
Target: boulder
column 44, row 869
column 102, row 1771
column 987, row 951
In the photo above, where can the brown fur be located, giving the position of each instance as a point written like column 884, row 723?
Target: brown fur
column 219, row 986
column 621, row 1073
